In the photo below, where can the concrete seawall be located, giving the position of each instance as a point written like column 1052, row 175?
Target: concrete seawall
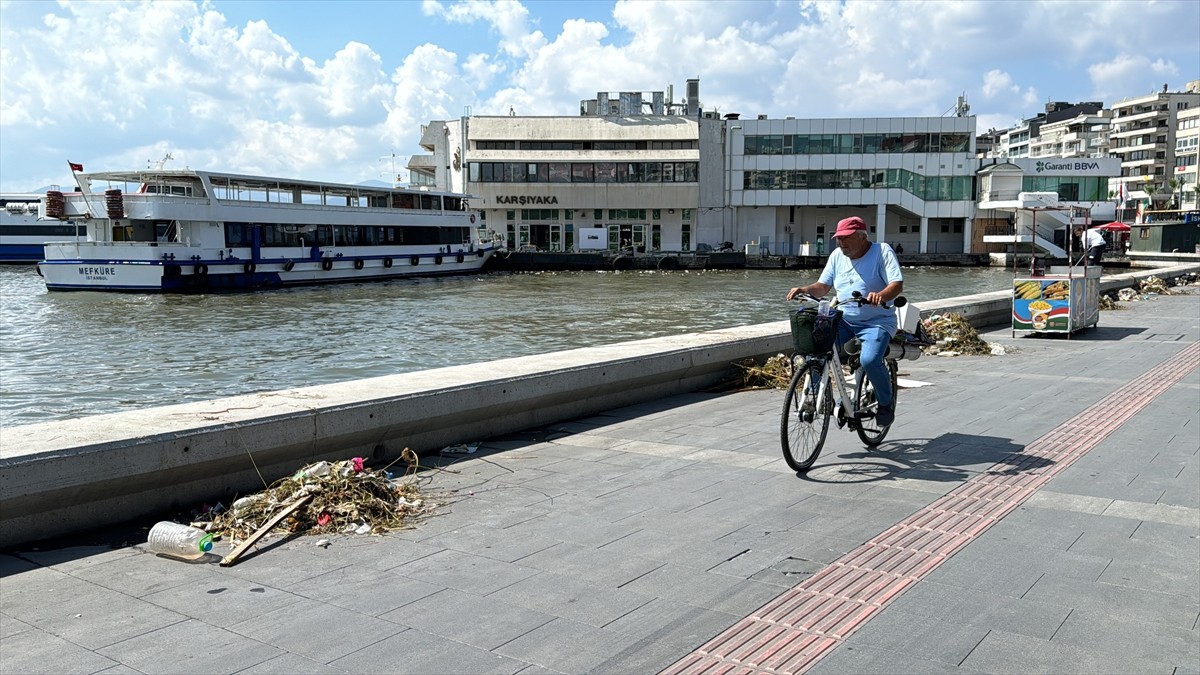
column 62, row 477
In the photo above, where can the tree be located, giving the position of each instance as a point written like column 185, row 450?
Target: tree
column 1174, row 184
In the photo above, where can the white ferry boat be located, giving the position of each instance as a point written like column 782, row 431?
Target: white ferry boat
column 22, row 235
column 195, row 231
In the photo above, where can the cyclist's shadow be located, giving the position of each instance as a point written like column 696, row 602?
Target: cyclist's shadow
column 951, row 457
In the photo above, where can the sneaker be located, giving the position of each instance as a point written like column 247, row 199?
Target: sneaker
column 885, row 415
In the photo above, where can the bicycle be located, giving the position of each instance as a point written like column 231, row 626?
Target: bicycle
column 818, row 389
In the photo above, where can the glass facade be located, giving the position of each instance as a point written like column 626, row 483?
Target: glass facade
column 1070, row 188
column 855, row 144
column 583, row 172
column 928, row 188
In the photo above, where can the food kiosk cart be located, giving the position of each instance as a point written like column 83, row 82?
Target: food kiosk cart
column 1061, row 298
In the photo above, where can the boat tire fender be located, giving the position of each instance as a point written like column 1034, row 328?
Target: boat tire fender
column 437, row 259
column 460, row 257
column 287, row 266
column 249, row 268
column 358, row 264
column 387, row 262
column 327, row 264
column 171, row 271
column 622, row 262
column 668, row 263
column 201, row 269
column 415, row 260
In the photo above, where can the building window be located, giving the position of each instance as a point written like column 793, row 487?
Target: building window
column 685, row 241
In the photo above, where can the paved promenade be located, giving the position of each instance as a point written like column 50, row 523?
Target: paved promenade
column 1032, row 512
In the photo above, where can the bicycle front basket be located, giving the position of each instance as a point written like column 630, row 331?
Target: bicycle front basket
column 802, row 323
column 824, row 332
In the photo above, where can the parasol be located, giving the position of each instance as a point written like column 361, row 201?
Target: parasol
column 1115, row 226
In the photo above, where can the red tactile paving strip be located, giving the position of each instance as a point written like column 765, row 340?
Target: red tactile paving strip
column 793, row 631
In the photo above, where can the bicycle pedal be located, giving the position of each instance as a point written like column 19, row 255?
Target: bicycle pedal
column 863, row 415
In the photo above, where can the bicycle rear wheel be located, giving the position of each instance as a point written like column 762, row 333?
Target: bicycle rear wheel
column 868, row 431
column 807, row 407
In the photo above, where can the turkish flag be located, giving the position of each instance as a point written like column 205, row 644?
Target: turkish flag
column 75, row 167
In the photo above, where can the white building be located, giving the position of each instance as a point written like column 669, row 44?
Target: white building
column 638, row 171
column 790, row 181
column 1143, row 136
column 625, row 173
column 1187, row 156
column 1036, row 201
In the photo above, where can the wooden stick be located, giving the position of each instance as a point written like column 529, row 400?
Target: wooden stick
column 258, row 534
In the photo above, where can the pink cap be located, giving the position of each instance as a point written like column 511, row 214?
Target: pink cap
column 850, row 226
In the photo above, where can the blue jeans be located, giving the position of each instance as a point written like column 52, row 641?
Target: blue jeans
column 874, row 346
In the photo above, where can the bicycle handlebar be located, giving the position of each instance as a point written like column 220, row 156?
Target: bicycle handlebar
column 858, row 299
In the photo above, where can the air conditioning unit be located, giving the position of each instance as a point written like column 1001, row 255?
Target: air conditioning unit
column 710, row 115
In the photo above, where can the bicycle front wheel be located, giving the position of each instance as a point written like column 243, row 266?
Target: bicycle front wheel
column 807, row 407
column 868, row 431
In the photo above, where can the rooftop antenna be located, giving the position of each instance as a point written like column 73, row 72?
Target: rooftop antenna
column 151, row 164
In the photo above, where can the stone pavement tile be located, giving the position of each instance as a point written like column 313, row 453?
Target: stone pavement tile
column 1103, row 632
column 225, row 601
column 465, row 572
column 274, row 563
column 316, row 630
column 1134, row 604
column 920, row 637
column 584, row 529
column 1105, row 480
column 979, row 607
column 571, row 597
column 209, row 649
column 11, row 564
column 420, row 653
column 364, row 589
column 377, row 552
column 704, row 589
column 1179, row 578
column 292, row 664
column 534, row 669
column 119, row 669
column 638, row 657
column 637, row 460
column 144, row 573
column 1175, row 554
column 10, row 626
column 763, row 566
column 78, row 611
column 600, row 567
column 567, row 646
column 699, row 522
column 74, row 558
column 485, row 623
column 678, row 625
column 505, row 545
column 823, row 548
column 864, row 659
column 553, row 484
column 676, row 548
column 1011, row 568
column 1054, row 528
column 1002, row 652
column 37, row 651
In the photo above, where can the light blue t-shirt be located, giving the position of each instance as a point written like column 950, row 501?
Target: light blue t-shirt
column 877, row 268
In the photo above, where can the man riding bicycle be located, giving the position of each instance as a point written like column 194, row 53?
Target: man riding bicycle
column 871, row 269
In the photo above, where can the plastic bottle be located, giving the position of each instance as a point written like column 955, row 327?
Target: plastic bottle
column 179, row 541
column 823, row 308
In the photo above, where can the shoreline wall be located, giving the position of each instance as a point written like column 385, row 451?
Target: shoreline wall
column 62, row 477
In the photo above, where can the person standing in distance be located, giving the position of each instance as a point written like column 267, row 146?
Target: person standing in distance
column 873, row 270
column 1094, row 242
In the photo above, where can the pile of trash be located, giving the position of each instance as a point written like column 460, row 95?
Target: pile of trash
column 953, row 335
column 1153, row 285
column 346, row 498
column 776, row 373
column 1108, row 301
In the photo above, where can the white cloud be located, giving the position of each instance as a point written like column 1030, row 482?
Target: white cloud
column 115, row 83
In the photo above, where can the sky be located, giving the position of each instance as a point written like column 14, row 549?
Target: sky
column 338, row 91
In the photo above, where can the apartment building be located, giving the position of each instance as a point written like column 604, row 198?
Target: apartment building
column 1143, row 135
column 1025, row 138
column 1187, row 156
column 1084, row 135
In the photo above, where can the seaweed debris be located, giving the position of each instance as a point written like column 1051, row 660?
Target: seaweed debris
column 775, row 373
column 954, row 335
column 348, row 498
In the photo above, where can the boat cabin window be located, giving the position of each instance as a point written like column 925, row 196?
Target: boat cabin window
column 404, row 201
column 453, row 203
column 430, row 202
column 174, row 190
